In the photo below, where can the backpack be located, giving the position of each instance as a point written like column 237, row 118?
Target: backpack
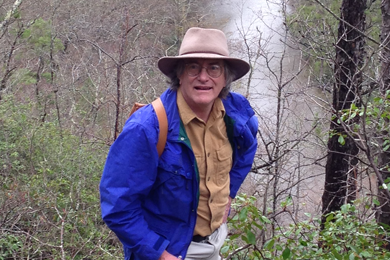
column 162, row 122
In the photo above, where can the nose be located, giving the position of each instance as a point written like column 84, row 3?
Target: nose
column 203, row 75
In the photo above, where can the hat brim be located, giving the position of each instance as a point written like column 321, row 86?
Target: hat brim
column 239, row 67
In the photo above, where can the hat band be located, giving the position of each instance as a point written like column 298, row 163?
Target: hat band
column 202, row 54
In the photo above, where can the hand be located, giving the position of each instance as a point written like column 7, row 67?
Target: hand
column 227, row 210
column 167, row 256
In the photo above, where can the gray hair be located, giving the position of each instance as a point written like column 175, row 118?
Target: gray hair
column 179, row 70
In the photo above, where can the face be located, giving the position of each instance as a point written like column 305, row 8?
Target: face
column 200, row 91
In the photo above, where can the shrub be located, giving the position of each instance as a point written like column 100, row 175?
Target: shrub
column 345, row 235
column 49, row 198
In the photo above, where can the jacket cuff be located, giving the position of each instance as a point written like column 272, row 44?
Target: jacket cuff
column 158, row 243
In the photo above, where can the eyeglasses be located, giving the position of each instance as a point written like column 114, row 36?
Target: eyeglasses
column 194, row 69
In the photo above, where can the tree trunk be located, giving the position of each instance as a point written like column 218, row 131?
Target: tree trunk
column 383, row 214
column 341, row 148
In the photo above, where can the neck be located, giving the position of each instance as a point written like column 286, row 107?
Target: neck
column 202, row 113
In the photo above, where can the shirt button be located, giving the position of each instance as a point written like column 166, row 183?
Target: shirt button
column 182, row 138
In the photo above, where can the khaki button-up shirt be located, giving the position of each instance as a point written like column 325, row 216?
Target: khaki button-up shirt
column 213, row 152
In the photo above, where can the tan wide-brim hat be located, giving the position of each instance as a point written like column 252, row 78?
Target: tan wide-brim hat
column 205, row 44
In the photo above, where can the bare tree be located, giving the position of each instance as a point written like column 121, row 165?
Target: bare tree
column 284, row 173
column 78, row 65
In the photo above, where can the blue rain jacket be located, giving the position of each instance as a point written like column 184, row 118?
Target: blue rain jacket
column 150, row 202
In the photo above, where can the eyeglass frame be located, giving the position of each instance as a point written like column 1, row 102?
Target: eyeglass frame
column 201, row 68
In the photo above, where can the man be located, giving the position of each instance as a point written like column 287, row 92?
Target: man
column 175, row 206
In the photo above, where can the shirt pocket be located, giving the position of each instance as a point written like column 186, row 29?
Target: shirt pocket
column 223, row 164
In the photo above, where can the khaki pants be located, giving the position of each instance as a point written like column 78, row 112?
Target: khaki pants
column 208, row 250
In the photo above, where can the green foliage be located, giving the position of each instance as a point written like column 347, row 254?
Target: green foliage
column 49, row 196
column 246, row 223
column 376, row 116
column 346, row 235
column 40, row 36
column 24, row 76
column 9, row 245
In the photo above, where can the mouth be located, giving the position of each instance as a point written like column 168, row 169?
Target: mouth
column 203, row 88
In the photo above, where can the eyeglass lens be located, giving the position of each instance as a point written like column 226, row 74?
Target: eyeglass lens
column 213, row 70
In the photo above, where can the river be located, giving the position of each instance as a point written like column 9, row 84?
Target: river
column 256, row 33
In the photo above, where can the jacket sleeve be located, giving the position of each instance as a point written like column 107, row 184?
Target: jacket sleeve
column 129, row 173
column 246, row 149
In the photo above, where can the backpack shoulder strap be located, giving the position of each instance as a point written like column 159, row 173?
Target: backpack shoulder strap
column 163, row 124
column 135, row 107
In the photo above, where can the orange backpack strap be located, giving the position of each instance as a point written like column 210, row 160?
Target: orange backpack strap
column 135, row 107
column 162, row 122
column 163, row 125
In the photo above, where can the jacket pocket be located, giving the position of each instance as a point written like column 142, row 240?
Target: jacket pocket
column 173, row 186
column 171, row 196
column 171, row 167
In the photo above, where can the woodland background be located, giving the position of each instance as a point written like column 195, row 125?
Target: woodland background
column 71, row 70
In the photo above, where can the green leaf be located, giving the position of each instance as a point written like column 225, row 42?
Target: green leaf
column 353, row 115
column 302, row 242
column 354, row 249
column 341, row 140
column 224, row 249
column 336, row 254
column 258, row 225
column 232, row 237
column 269, row 244
column 243, row 214
column 265, row 220
column 366, row 254
column 251, row 237
column 245, row 239
column 286, row 253
column 329, row 218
